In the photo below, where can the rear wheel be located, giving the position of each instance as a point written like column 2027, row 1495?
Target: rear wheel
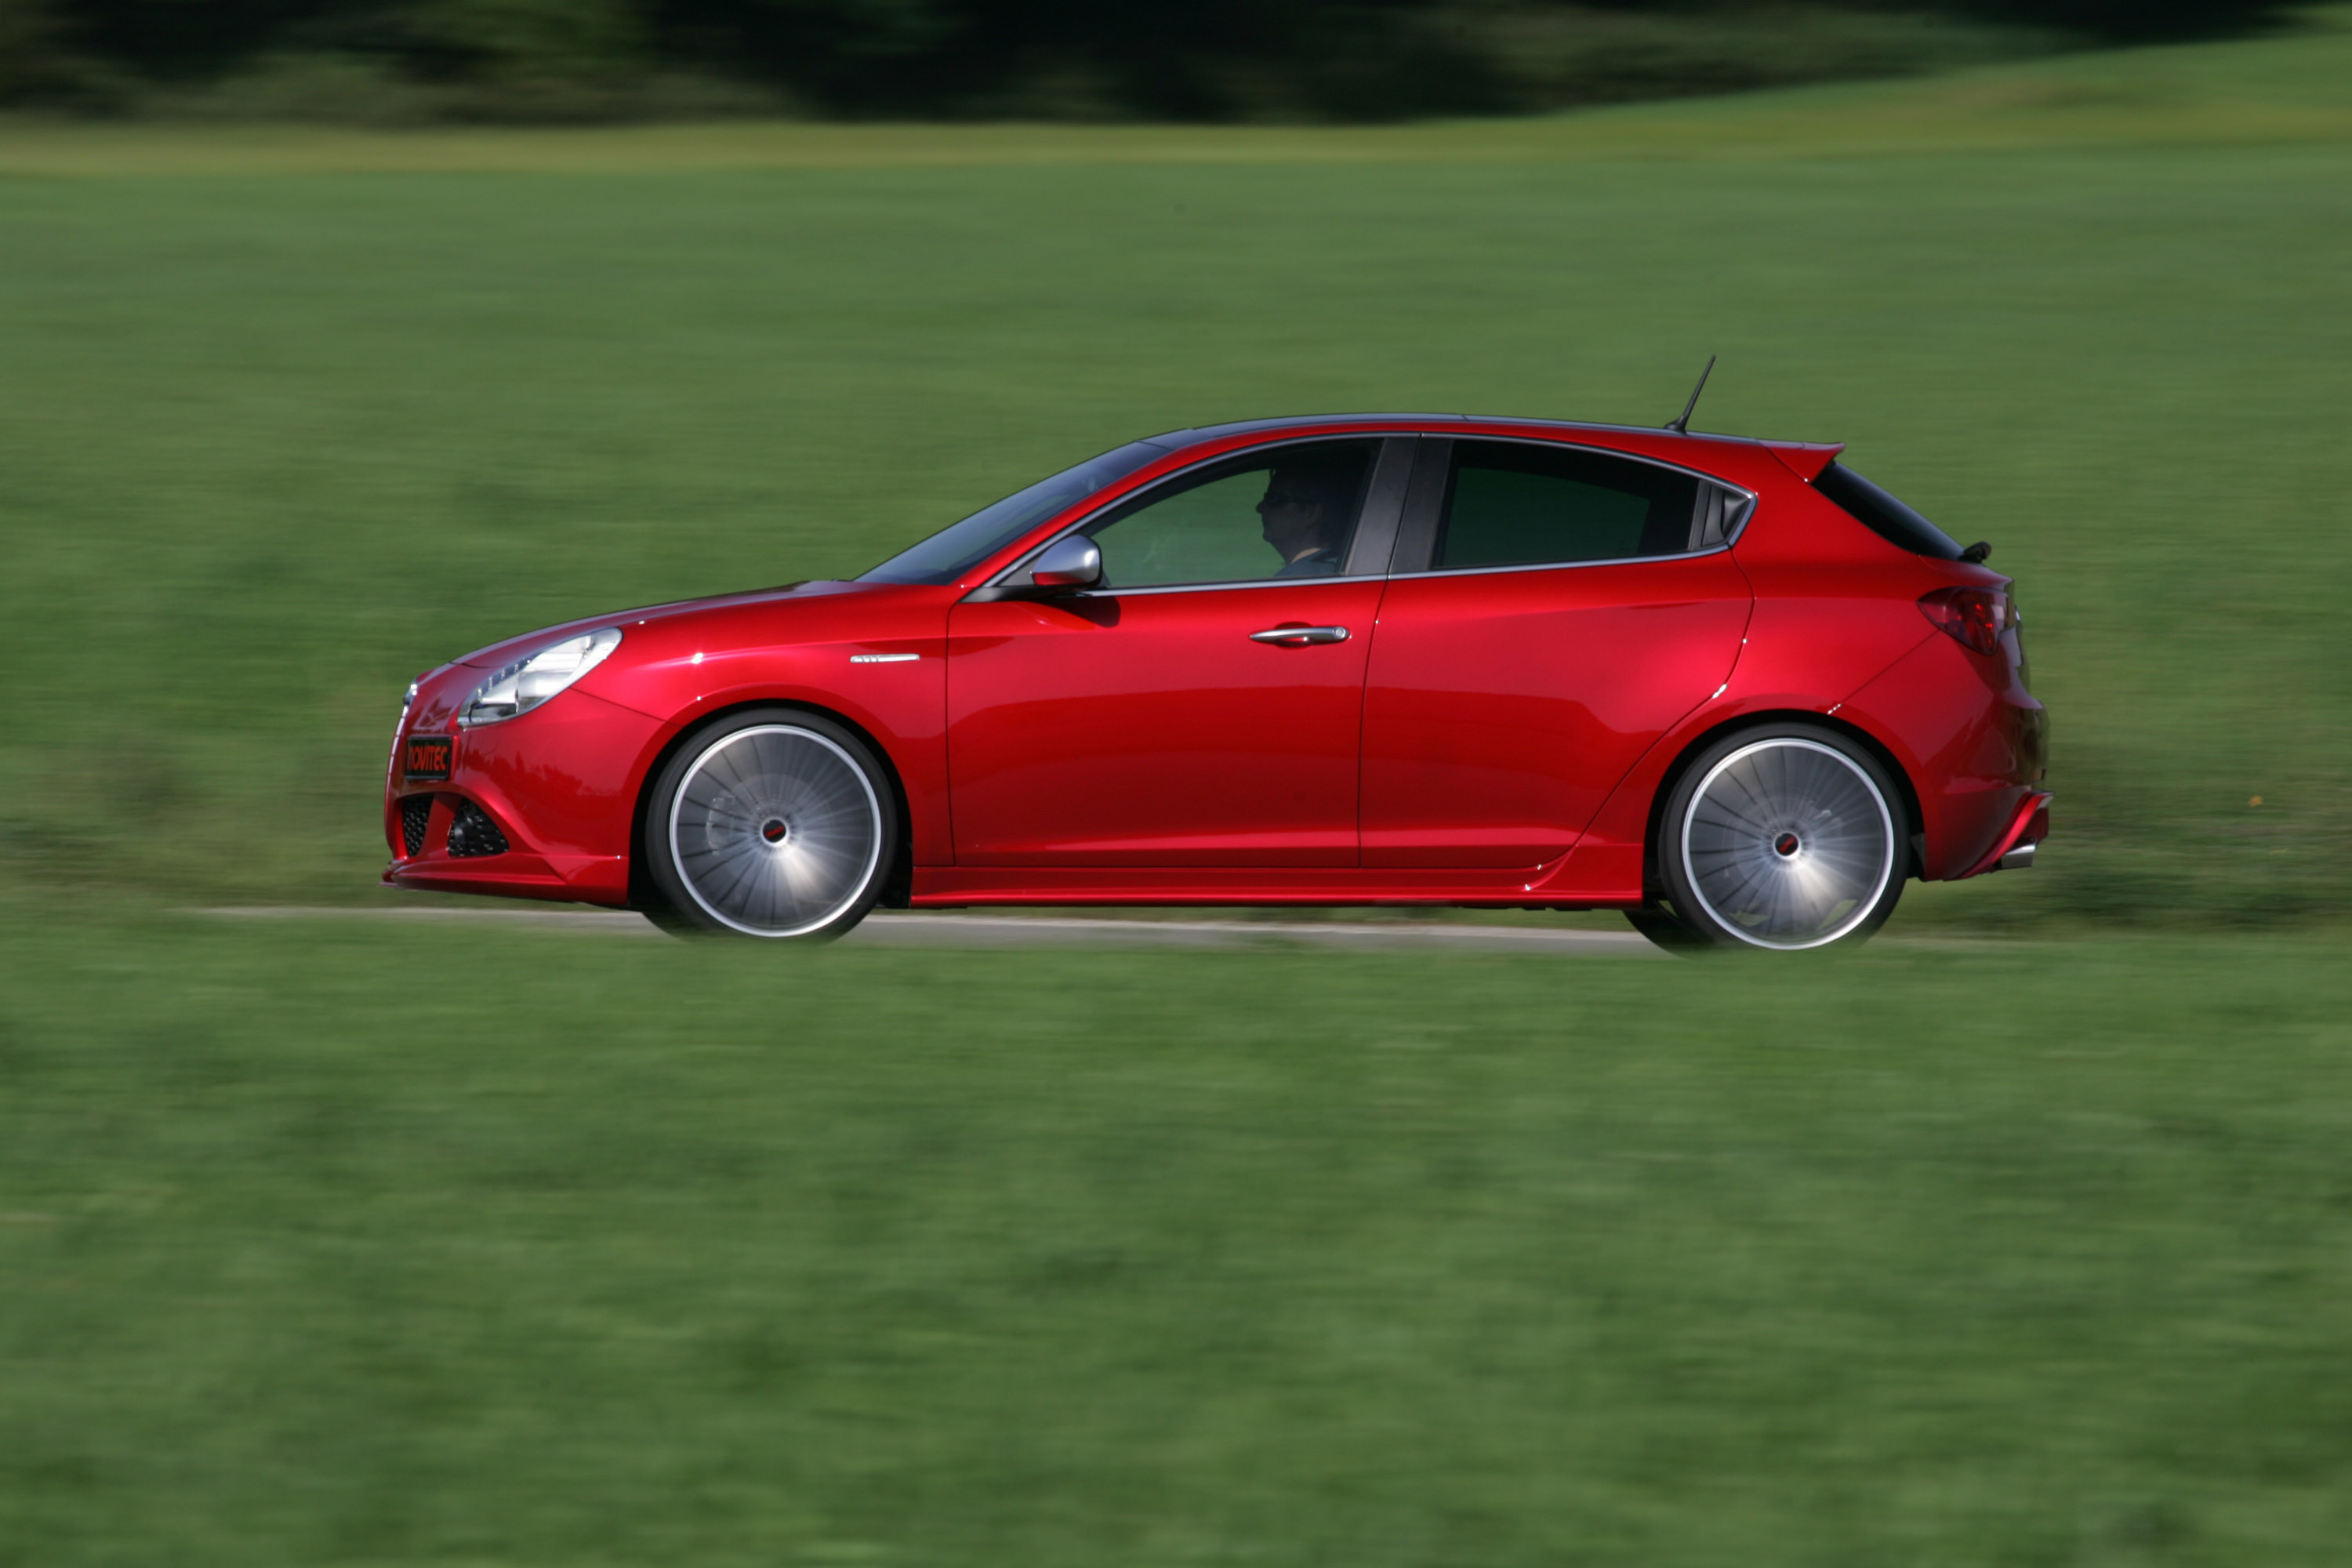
column 1785, row 839
column 774, row 823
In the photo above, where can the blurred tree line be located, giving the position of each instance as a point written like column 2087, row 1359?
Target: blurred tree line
column 1203, row 59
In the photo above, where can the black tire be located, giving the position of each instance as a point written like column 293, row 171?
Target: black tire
column 1665, row 931
column 1783, row 836
column 670, row 921
column 774, row 823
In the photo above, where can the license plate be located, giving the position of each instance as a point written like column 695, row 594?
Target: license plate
column 426, row 758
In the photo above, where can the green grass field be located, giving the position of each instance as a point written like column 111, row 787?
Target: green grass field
column 348, row 1245
column 382, row 1245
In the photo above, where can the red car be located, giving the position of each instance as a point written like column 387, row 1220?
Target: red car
column 1726, row 686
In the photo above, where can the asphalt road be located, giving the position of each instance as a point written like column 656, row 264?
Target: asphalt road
column 899, row 928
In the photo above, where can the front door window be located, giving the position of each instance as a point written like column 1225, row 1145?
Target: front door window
column 1288, row 513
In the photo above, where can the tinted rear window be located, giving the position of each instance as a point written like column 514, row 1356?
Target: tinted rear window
column 1883, row 515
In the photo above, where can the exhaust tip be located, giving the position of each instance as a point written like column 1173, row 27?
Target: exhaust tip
column 2018, row 859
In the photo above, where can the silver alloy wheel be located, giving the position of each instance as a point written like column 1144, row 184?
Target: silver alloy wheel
column 1788, row 843
column 775, row 830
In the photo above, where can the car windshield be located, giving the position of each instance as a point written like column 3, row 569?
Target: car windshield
column 950, row 553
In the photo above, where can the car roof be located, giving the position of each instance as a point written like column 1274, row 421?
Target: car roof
column 1807, row 457
column 1193, row 432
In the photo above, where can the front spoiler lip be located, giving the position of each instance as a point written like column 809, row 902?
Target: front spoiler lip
column 518, row 874
column 515, row 868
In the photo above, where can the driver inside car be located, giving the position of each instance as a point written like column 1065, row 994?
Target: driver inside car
column 1303, row 516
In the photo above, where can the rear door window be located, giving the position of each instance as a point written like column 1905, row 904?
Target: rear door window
column 1510, row 503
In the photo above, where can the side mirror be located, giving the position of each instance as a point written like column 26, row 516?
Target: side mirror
column 1071, row 561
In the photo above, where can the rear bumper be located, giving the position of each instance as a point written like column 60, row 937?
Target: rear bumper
column 1975, row 745
column 2013, row 850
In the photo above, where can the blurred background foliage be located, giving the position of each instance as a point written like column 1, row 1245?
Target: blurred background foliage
column 420, row 61
column 288, row 415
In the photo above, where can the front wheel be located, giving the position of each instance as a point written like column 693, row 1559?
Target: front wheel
column 1786, row 839
column 772, row 823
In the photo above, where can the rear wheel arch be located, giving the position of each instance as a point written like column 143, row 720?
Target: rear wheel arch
column 1697, row 744
column 897, row 884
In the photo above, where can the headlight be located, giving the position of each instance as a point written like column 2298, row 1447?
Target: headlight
column 528, row 682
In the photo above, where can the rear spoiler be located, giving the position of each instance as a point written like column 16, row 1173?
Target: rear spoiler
column 1806, row 459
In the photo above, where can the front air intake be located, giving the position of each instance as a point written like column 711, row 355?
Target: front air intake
column 416, row 816
column 472, row 834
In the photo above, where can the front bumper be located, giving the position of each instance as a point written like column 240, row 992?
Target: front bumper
column 559, row 785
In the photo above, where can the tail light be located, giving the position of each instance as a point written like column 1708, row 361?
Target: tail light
column 1974, row 616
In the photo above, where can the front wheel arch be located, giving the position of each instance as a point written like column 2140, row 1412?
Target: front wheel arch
column 897, row 884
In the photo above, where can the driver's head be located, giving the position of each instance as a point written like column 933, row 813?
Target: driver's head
column 1303, row 505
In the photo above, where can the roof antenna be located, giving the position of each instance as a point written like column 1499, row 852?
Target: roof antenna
column 1681, row 425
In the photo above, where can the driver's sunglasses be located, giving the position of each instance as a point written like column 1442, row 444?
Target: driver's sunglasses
column 1288, row 498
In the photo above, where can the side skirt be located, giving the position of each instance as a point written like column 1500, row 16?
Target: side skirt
column 948, row 886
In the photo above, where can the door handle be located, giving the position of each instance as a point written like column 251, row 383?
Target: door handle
column 1299, row 636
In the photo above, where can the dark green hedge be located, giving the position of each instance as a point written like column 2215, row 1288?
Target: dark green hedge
column 1199, row 59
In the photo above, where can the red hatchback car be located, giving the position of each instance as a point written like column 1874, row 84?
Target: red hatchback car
column 1726, row 686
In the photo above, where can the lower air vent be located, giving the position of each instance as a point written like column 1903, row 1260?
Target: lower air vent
column 415, row 813
column 472, row 832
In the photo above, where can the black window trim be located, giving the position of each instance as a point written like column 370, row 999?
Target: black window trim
column 1385, row 494
column 1417, row 530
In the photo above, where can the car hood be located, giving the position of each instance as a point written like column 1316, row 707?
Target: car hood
column 499, row 654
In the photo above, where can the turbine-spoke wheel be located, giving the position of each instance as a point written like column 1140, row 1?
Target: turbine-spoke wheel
column 1786, row 841
column 775, row 828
